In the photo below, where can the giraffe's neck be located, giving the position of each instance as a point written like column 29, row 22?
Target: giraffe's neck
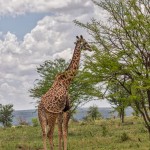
column 74, row 64
column 68, row 75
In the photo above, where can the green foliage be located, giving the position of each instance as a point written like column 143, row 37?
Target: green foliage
column 47, row 72
column 118, row 98
column 6, row 115
column 121, row 55
column 104, row 130
column 35, row 122
column 77, row 91
column 93, row 113
column 124, row 137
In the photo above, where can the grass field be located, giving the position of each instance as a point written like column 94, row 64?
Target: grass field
column 98, row 135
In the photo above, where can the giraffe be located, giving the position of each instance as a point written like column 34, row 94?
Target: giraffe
column 55, row 102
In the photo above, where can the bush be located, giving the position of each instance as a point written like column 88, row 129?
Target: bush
column 22, row 121
column 35, row 122
column 124, row 137
column 104, row 130
column 93, row 113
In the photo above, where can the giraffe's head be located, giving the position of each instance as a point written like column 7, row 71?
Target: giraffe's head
column 83, row 43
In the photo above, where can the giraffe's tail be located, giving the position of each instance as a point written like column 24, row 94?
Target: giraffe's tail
column 67, row 106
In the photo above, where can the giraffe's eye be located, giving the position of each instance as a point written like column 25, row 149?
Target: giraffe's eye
column 85, row 44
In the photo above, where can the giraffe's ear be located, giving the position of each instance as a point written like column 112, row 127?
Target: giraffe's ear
column 77, row 37
column 81, row 36
column 75, row 43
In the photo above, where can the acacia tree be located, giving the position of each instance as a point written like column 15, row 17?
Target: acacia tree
column 118, row 98
column 48, row 70
column 93, row 113
column 6, row 116
column 122, row 51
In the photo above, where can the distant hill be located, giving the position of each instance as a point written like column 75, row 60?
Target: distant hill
column 27, row 115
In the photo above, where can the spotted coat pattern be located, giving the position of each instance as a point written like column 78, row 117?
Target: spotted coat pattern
column 55, row 103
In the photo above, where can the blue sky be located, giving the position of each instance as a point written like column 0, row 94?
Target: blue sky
column 32, row 32
column 20, row 25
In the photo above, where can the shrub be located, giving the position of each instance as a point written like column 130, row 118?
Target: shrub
column 93, row 113
column 124, row 137
column 104, row 130
column 22, row 121
column 35, row 122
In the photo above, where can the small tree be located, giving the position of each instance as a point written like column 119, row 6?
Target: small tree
column 77, row 91
column 6, row 116
column 118, row 98
column 35, row 122
column 93, row 113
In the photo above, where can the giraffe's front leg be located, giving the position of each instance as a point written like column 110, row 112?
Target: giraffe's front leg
column 51, row 123
column 60, row 120
column 44, row 135
column 43, row 123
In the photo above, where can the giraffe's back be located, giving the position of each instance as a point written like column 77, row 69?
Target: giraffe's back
column 55, row 99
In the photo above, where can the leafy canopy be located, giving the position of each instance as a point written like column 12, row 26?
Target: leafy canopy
column 48, row 70
column 122, row 51
column 6, row 116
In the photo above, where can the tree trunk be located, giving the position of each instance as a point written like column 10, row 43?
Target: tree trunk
column 122, row 116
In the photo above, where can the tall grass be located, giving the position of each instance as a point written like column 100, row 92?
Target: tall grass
column 98, row 135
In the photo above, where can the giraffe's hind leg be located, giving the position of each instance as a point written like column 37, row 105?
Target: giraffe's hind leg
column 60, row 120
column 51, row 117
column 66, row 117
column 43, row 123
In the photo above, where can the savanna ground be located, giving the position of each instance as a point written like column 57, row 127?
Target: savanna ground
column 98, row 135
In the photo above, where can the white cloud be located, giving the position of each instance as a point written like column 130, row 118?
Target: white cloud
column 66, row 54
column 52, row 37
column 19, row 7
column 9, row 43
column 98, row 103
